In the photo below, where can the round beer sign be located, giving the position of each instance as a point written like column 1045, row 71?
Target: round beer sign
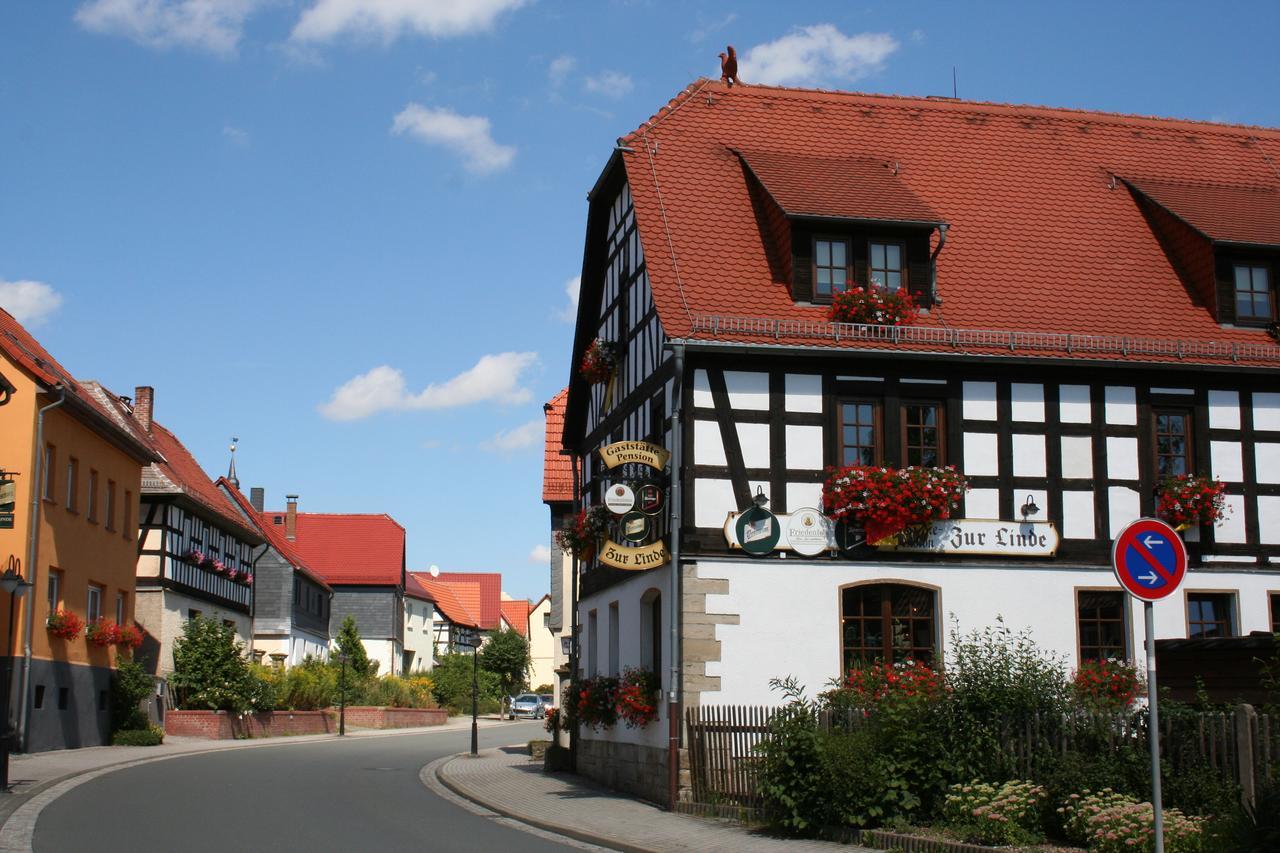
column 619, row 498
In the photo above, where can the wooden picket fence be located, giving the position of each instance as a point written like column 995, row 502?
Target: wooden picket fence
column 1241, row 745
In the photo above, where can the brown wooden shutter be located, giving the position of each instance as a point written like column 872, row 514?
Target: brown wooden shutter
column 919, row 282
column 861, row 272
column 1224, row 272
column 801, row 265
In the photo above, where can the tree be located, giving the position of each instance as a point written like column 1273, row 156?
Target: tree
column 209, row 670
column 130, row 684
column 350, row 644
column 506, row 655
column 451, row 684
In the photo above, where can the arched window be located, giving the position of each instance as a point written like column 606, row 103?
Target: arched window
column 892, row 622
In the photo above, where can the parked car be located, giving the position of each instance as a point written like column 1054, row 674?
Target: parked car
column 548, row 700
column 527, row 705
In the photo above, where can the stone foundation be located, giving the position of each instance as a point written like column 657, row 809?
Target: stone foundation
column 628, row 767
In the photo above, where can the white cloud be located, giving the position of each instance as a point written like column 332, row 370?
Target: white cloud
column 494, row 378
column 540, row 554
column 387, row 20
column 558, row 70
column 820, row 52
column 467, row 136
column 30, row 302
column 237, row 136
column 571, row 290
column 211, row 25
column 611, row 84
column 516, row 438
column 699, row 33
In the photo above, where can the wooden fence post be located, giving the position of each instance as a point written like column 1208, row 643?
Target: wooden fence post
column 1245, row 718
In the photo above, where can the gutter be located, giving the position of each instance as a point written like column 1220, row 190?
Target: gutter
column 33, row 553
column 675, row 693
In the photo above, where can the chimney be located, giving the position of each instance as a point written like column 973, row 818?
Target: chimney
column 143, row 400
column 291, row 517
column 257, row 497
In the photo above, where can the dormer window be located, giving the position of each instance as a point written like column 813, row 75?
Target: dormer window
column 888, row 263
column 830, row 267
column 1253, row 293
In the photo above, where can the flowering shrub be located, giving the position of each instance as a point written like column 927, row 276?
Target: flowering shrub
column 64, row 624
column 887, row 501
column 1109, row 685
column 637, row 704
column 598, row 701
column 1009, row 814
column 128, row 636
column 582, row 535
column 1188, row 500
column 872, row 684
column 874, row 306
column 598, row 362
column 1108, row 822
column 102, row 633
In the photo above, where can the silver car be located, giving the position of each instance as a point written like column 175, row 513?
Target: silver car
column 527, row 705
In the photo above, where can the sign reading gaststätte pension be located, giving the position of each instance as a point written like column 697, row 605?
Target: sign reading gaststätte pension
column 980, row 536
column 641, row 452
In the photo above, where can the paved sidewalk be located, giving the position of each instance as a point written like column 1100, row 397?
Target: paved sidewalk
column 507, row 781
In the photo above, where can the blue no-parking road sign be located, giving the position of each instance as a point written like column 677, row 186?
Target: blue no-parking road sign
column 1149, row 559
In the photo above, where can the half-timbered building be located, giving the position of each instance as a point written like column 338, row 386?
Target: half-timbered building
column 1098, row 298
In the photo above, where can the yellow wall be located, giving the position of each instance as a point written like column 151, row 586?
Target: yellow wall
column 85, row 551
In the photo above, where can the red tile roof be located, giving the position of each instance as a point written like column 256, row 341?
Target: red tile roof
column 348, row 548
column 27, row 353
column 273, row 534
column 517, row 615
column 480, row 592
column 1249, row 215
column 446, row 600
column 1042, row 234
column 837, row 187
column 557, row 469
column 414, row 588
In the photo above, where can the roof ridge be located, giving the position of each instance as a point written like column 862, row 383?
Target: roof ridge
column 1265, row 188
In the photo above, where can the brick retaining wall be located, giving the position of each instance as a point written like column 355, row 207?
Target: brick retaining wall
column 370, row 717
column 219, row 725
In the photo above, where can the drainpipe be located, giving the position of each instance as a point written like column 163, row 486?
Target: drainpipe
column 33, row 553
column 674, row 694
column 574, row 651
column 933, row 261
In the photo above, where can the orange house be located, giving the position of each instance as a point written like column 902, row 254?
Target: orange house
column 76, row 478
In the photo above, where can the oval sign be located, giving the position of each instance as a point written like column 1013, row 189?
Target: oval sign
column 619, row 499
column 758, row 531
column 808, row 532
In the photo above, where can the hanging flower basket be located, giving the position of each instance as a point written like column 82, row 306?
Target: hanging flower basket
column 886, row 501
column 64, row 624
column 102, row 633
column 874, row 306
column 637, row 699
column 128, row 637
column 1189, row 500
column 599, row 362
column 582, row 535
column 598, row 701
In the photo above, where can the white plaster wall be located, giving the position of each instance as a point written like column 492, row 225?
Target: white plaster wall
column 1232, row 527
column 708, row 449
column 302, row 645
column 628, row 595
column 980, row 456
column 1267, row 461
column 1266, row 411
column 419, row 633
column 1226, row 461
column 803, row 494
column 804, row 447
column 982, row 503
column 701, row 390
column 712, row 501
column 543, row 644
column 1122, row 457
column 754, row 441
column 804, row 393
column 1120, row 405
column 1073, row 404
column 790, row 613
column 1269, row 519
column 1077, row 456
column 1123, row 507
column 1077, row 515
column 747, row 390
column 164, row 613
column 1028, row 455
column 1027, row 401
column 978, row 401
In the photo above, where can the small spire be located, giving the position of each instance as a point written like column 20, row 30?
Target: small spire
column 231, row 470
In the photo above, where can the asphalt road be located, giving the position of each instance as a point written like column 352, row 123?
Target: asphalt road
column 352, row 795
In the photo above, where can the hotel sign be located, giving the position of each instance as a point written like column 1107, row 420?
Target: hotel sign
column 640, row 452
column 8, row 498
column 635, row 559
column 979, row 536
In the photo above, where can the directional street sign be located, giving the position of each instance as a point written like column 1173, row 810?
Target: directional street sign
column 1149, row 559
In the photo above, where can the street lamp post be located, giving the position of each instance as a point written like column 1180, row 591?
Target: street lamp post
column 13, row 583
column 475, row 693
column 342, row 695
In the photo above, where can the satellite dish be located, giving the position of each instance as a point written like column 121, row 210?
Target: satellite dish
column 435, row 570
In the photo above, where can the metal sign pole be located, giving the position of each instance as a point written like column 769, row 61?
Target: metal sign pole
column 1153, row 727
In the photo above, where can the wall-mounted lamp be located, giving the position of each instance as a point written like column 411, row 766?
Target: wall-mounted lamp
column 1029, row 508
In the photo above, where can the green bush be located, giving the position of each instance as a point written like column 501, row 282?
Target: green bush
column 792, row 784
column 130, row 684
column 211, row 673
column 986, row 814
column 349, row 643
column 451, row 686
column 392, row 691
column 150, row 736
column 309, row 686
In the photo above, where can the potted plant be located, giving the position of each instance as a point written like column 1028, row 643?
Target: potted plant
column 102, row 633
column 128, row 636
column 886, row 501
column 637, row 700
column 1188, row 500
column 874, row 306
column 599, row 362
column 64, row 624
column 598, row 701
column 582, row 535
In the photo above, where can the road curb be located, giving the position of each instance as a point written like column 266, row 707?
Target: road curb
column 546, row 826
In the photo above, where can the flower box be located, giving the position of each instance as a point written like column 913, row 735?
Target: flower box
column 64, row 624
column 1189, row 500
column 886, row 501
column 102, row 633
column 599, row 362
column 128, row 637
column 637, row 699
column 874, row 306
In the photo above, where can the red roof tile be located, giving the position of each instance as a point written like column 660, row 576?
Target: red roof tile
column 1040, row 233
column 1249, row 215
column 414, row 588
column 446, row 600
column 273, row 534
column 857, row 188
column 517, row 615
column 557, row 470
column 348, row 548
column 485, row 601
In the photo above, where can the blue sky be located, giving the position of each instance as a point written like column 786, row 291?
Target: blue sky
column 343, row 230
